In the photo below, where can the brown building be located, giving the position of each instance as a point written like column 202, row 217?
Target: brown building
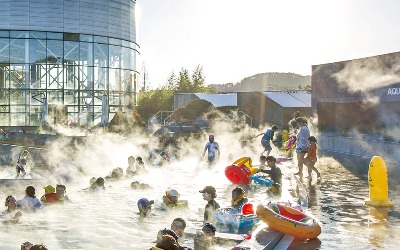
column 274, row 107
column 362, row 94
column 271, row 107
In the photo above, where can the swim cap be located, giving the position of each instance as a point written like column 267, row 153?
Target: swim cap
column 143, row 202
column 173, row 193
column 211, row 226
column 49, row 189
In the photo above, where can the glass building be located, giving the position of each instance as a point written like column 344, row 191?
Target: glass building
column 66, row 60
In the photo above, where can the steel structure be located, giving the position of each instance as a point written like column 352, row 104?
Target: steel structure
column 69, row 53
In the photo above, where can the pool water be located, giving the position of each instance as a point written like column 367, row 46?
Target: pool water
column 108, row 218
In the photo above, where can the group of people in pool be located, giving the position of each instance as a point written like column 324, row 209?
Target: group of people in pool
column 305, row 144
column 31, row 203
column 204, row 238
column 166, row 238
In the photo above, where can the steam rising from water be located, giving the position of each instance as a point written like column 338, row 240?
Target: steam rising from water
column 97, row 220
column 370, row 73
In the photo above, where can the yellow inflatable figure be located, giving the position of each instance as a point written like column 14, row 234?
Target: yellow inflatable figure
column 285, row 138
column 378, row 183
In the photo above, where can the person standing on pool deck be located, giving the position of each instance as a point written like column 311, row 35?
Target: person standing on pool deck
column 302, row 143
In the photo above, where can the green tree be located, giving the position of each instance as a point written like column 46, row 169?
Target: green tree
column 171, row 81
column 150, row 102
column 198, row 79
column 184, row 83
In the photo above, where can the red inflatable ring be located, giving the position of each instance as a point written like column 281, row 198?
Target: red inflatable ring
column 238, row 174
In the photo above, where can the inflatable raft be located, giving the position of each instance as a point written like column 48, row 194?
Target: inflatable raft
column 289, row 221
column 235, row 218
column 262, row 179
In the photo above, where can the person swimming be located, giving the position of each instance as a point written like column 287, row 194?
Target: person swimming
column 238, row 199
column 171, row 198
column 144, row 206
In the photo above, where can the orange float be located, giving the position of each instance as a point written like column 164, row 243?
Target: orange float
column 289, row 221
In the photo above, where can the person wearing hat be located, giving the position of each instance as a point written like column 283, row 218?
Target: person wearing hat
column 144, row 206
column 50, row 195
column 171, row 198
column 12, row 215
column 29, row 202
column 267, row 137
column 209, row 194
column 238, row 199
column 212, row 148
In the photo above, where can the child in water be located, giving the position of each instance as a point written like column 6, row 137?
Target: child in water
column 238, row 199
column 311, row 157
column 171, row 198
column 144, row 206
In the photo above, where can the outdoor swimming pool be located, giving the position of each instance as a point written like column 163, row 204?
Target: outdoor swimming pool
column 109, row 218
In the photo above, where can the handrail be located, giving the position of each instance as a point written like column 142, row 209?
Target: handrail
column 251, row 119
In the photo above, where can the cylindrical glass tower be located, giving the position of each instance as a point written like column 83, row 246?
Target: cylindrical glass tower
column 66, row 54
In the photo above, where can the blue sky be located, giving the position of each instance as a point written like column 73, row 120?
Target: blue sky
column 236, row 39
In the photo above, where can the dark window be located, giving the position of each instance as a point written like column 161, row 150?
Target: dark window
column 71, row 37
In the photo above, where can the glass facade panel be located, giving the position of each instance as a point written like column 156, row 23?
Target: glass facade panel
column 71, row 53
column 54, row 51
column 18, row 50
column 55, row 97
column 17, row 99
column 4, row 97
column 101, row 55
column 5, row 119
column 115, row 79
column 54, row 76
column 71, row 77
column 18, row 76
column 126, row 58
column 16, row 119
column 4, row 33
column 37, row 35
column 37, row 51
column 100, row 78
column 115, row 56
column 19, row 34
column 4, row 50
column 4, row 76
column 126, row 80
column 86, row 54
column 86, row 38
column 35, row 119
column 57, row 36
column 100, row 39
column 71, row 98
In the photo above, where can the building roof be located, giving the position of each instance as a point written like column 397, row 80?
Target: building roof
column 219, row 100
column 290, row 100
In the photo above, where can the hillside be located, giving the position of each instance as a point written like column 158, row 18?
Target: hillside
column 265, row 81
